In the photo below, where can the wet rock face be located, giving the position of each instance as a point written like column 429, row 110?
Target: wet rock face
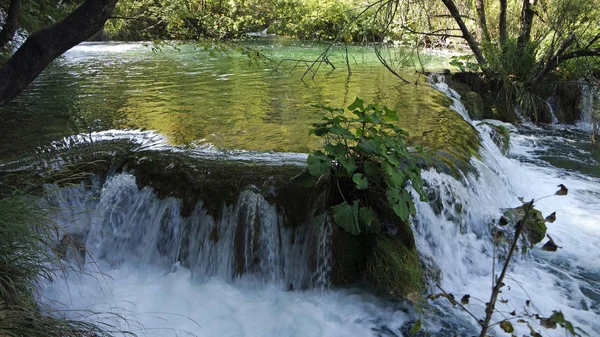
column 217, row 182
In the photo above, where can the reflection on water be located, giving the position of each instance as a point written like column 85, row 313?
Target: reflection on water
column 195, row 96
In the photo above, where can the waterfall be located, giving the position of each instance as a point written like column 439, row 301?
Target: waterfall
column 552, row 113
column 248, row 242
column 246, row 271
column 454, row 231
column 590, row 104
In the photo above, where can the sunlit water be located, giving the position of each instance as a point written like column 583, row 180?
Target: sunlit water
column 130, row 274
column 197, row 96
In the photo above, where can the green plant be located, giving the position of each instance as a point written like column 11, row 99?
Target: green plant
column 26, row 259
column 366, row 154
column 464, row 63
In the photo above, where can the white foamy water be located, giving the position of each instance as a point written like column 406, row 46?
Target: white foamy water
column 136, row 240
column 566, row 280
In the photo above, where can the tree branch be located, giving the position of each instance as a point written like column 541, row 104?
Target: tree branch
column 466, row 34
column 525, row 22
column 555, row 59
column 12, row 23
column 502, row 23
column 489, row 311
column 482, row 30
column 43, row 46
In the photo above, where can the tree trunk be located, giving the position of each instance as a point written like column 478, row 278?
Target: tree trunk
column 502, row 23
column 525, row 23
column 43, row 46
column 12, row 23
column 482, row 31
column 465, row 31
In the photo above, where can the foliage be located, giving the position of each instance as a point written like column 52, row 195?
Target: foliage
column 393, row 267
column 25, row 260
column 367, row 154
column 464, row 63
column 200, row 19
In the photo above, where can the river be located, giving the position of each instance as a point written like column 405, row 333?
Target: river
column 194, row 100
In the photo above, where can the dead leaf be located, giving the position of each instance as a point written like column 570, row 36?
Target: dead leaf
column 548, row 323
column 563, row 190
column 507, row 326
column 465, row 299
column 414, row 297
column 503, row 301
column 551, row 218
column 550, row 246
column 514, row 313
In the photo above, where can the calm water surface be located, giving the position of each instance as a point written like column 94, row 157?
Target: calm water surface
column 195, row 96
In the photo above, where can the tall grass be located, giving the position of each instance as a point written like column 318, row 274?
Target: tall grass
column 27, row 260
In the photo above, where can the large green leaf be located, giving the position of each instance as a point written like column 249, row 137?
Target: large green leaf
column 366, row 216
column 357, row 104
column 346, row 216
column 341, row 131
column 360, row 181
column 318, row 165
column 393, row 175
column 372, row 170
column 349, row 164
column 370, row 146
column 401, row 202
column 338, row 150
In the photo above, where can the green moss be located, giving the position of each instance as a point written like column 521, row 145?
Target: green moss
column 535, row 227
column 393, row 267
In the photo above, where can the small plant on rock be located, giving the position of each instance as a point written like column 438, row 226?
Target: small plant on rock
column 365, row 153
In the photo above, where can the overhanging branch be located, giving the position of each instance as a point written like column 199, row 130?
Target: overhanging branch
column 43, row 46
column 12, row 23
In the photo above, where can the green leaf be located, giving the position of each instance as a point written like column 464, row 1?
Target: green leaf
column 366, row 216
column 401, row 202
column 346, row 216
column 341, row 131
column 393, row 175
column 415, row 328
column 349, row 164
column 360, row 181
column 390, row 115
column 372, row 170
column 338, row 150
column 318, row 165
column 357, row 104
column 319, row 131
column 417, row 184
column 371, row 146
column 304, row 178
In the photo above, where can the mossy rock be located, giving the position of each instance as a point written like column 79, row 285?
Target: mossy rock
column 393, row 267
column 500, row 136
column 535, row 226
column 219, row 182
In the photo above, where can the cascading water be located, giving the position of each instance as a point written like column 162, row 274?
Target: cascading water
column 244, row 272
column 458, row 238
